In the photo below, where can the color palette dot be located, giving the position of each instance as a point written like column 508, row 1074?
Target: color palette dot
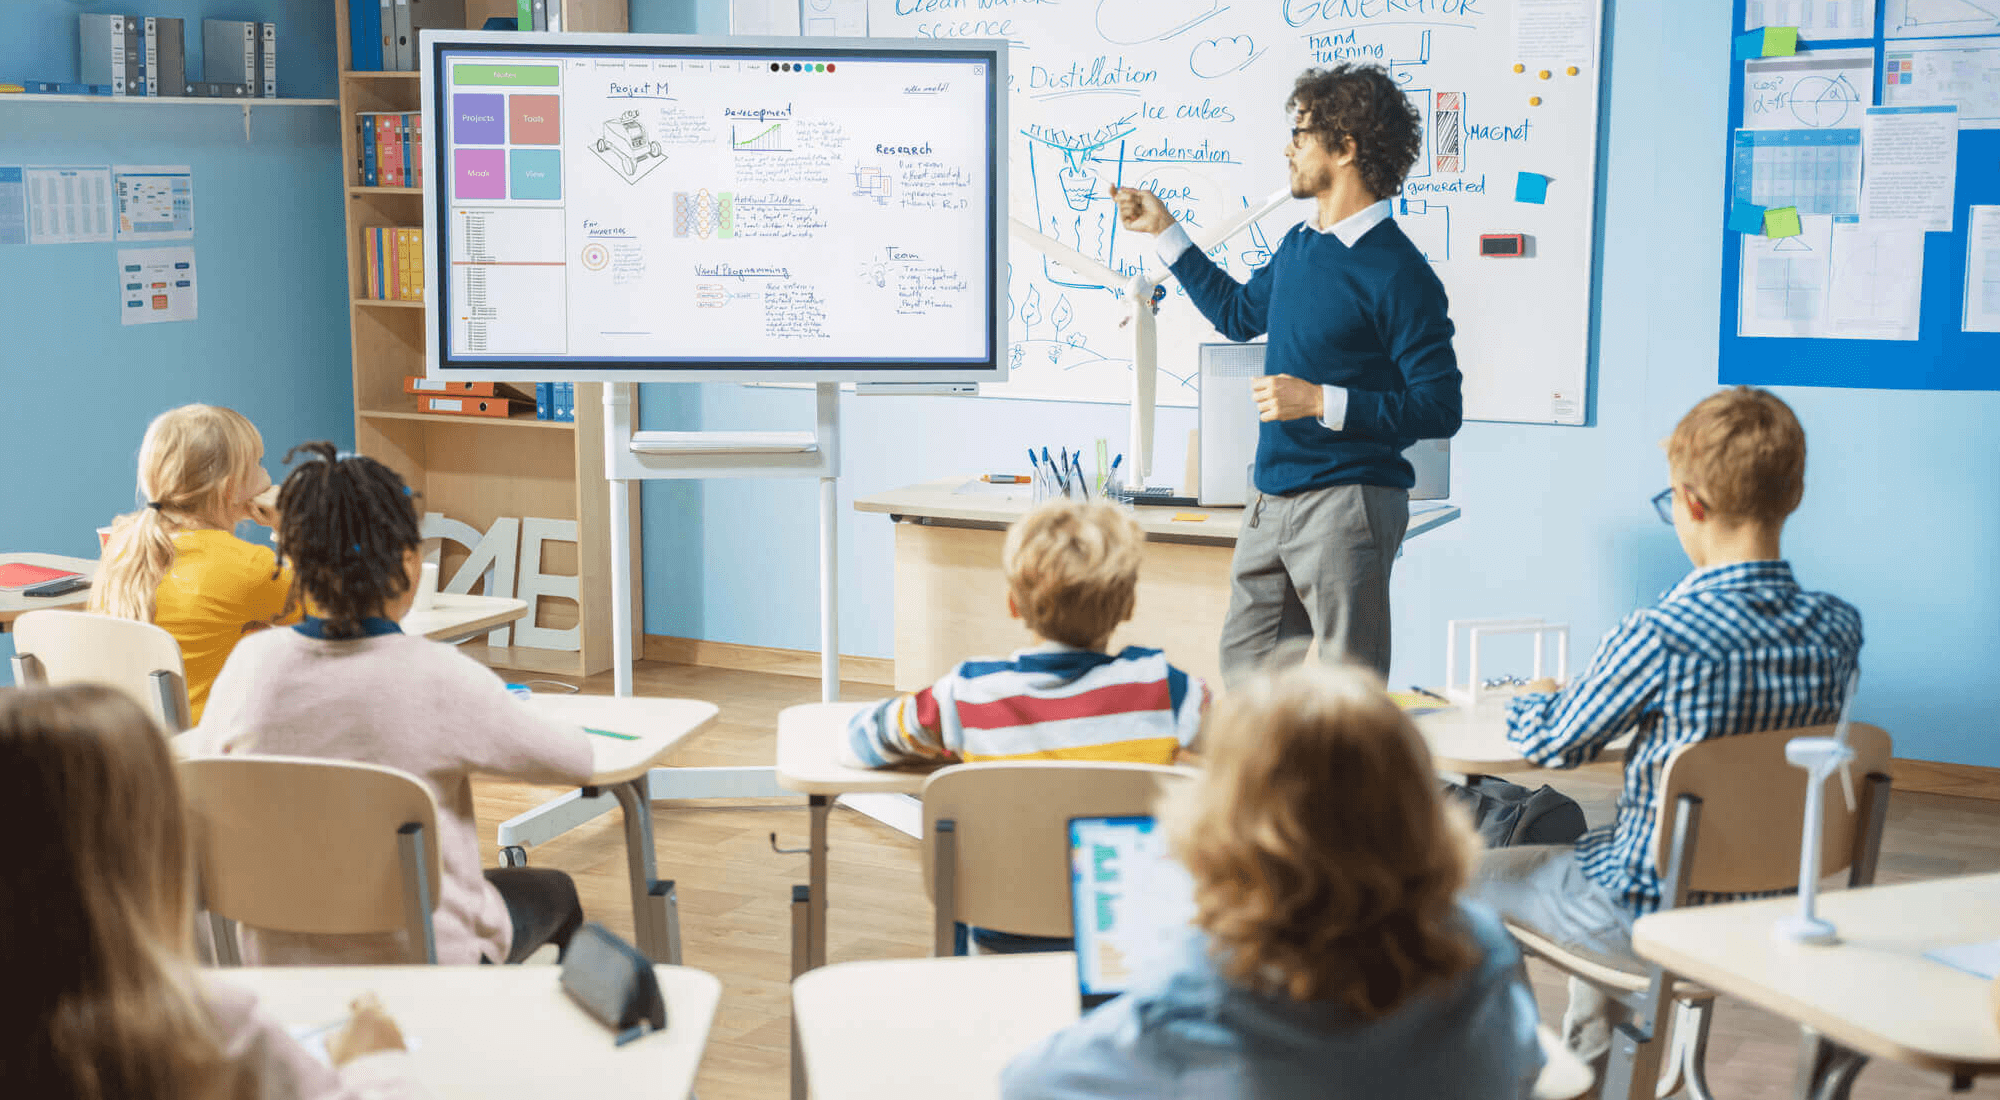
column 774, row 66
column 829, row 66
column 819, row 68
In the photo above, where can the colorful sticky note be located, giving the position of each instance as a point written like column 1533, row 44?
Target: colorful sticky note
column 1531, row 187
column 1767, row 42
column 1782, row 221
column 1746, row 218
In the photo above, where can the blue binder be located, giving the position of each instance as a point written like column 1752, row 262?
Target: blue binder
column 364, row 28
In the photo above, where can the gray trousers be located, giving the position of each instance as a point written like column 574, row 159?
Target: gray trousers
column 1543, row 887
column 1314, row 565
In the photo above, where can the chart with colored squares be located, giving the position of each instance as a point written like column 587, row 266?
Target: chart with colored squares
column 1862, row 222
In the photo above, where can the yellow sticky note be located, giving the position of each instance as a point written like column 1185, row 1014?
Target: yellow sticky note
column 1189, row 517
column 1781, row 221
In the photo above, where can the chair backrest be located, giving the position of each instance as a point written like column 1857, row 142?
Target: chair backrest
column 1011, row 829
column 139, row 659
column 329, row 847
column 1753, row 809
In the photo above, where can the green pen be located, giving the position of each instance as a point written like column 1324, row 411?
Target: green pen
column 608, row 733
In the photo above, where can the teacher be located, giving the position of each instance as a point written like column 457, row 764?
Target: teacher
column 1360, row 366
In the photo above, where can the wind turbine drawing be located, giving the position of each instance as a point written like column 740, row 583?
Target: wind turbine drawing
column 1141, row 293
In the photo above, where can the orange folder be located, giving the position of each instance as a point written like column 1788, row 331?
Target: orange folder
column 467, row 406
column 421, row 386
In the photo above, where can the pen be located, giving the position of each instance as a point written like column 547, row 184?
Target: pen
column 1062, row 479
column 1076, row 464
column 608, row 733
column 1003, row 479
column 1428, row 693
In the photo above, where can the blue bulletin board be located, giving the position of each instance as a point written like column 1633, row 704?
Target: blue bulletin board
column 1943, row 357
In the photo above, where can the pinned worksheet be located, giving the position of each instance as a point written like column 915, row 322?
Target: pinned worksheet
column 1876, row 283
column 1815, row 19
column 1982, row 270
column 68, row 205
column 13, row 205
column 1782, row 291
column 155, row 202
column 156, row 285
column 1821, row 90
column 1558, row 32
column 1964, row 72
column 1911, row 175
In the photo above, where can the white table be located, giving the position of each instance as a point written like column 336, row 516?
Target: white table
column 1473, row 740
column 622, row 768
column 497, row 1032
column 13, row 604
column 809, row 742
column 456, row 618
column 925, row 1028
column 1873, row 995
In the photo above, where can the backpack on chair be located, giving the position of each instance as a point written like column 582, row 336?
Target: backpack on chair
column 1508, row 814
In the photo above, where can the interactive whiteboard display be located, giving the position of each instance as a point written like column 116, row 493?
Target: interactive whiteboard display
column 638, row 207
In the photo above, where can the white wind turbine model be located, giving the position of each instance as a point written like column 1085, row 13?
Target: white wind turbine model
column 1137, row 291
column 1819, row 756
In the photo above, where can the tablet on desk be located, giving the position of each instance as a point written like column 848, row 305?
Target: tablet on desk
column 1130, row 902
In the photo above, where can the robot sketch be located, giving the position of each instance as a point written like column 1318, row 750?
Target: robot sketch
column 625, row 146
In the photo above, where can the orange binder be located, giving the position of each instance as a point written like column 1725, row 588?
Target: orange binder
column 467, row 406
column 418, row 384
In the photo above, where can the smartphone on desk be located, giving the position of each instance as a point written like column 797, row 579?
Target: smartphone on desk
column 61, row 586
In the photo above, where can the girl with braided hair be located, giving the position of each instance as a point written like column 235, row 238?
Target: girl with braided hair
column 175, row 562
column 346, row 683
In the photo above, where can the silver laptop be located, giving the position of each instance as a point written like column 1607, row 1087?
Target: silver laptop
column 1130, row 902
column 1229, row 431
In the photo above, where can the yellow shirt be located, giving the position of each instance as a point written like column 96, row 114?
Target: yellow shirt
column 219, row 589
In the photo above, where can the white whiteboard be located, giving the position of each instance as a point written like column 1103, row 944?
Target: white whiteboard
column 665, row 208
column 1187, row 97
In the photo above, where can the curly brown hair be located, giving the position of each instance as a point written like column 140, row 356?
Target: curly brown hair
column 1326, row 863
column 1362, row 102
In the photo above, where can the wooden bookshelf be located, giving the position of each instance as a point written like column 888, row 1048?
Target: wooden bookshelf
column 476, row 469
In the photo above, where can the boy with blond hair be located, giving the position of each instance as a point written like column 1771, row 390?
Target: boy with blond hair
column 1072, row 572
column 1736, row 647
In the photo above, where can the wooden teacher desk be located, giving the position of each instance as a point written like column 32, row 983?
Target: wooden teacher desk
column 951, row 597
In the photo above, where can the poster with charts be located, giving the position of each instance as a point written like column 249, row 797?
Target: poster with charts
column 1928, row 18
column 68, row 205
column 156, row 285
column 1783, row 284
column 1817, row 20
column 1818, row 171
column 1820, row 90
column 155, row 202
column 1964, row 72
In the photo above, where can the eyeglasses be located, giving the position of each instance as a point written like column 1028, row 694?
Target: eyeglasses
column 1663, row 503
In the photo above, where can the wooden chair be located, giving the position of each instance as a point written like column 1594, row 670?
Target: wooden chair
column 327, row 847
column 139, row 659
column 1747, row 806
column 996, row 838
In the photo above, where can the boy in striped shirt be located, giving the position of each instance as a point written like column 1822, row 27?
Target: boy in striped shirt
column 1072, row 572
column 1736, row 647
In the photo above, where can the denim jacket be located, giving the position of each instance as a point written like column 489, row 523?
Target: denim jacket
column 1184, row 1031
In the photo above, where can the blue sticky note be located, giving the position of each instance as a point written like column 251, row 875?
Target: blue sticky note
column 1531, row 187
column 1746, row 218
column 1750, row 45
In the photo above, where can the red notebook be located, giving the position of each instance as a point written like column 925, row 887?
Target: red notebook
column 15, row 576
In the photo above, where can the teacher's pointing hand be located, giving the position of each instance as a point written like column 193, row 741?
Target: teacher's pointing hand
column 1284, row 397
column 1140, row 210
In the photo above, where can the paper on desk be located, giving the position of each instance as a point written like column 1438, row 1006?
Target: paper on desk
column 1981, row 960
column 1910, row 167
column 1876, row 286
column 1982, row 270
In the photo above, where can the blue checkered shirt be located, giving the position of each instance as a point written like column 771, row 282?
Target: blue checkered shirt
column 1732, row 649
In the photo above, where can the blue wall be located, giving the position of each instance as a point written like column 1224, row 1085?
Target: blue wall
column 272, row 338
column 1902, row 504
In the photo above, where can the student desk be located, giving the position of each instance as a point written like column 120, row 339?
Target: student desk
column 13, row 604
column 1473, row 740
column 1873, row 995
column 495, row 1032
column 809, row 740
column 923, row 1028
column 457, row 618
column 951, row 597
column 622, row 768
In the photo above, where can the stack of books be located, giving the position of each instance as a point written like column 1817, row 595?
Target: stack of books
column 393, row 259
column 392, row 148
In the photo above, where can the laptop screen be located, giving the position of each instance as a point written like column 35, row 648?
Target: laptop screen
column 1129, row 901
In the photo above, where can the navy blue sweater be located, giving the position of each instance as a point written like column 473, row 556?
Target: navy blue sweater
column 1370, row 319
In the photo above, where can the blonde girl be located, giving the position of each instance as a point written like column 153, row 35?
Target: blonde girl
column 176, row 562
column 1330, row 955
column 103, row 996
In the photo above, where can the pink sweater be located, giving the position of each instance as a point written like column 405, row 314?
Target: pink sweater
column 285, row 1070
column 404, row 702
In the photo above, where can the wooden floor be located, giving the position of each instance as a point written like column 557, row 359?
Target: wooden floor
column 735, row 921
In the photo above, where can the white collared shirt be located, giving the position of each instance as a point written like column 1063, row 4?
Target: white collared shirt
column 1174, row 240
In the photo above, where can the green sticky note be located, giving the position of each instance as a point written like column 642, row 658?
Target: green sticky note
column 1781, row 221
column 1781, row 41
